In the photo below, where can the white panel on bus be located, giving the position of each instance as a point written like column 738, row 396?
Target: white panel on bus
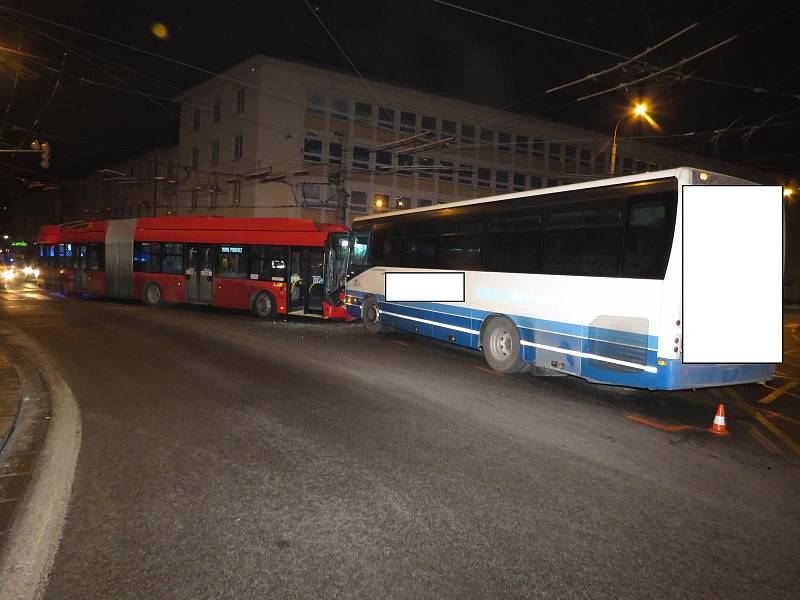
column 732, row 274
column 421, row 286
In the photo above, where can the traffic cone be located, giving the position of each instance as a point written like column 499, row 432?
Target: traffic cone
column 718, row 426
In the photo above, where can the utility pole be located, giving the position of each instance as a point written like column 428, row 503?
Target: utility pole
column 337, row 182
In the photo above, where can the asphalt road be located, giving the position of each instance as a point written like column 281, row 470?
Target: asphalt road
column 224, row 457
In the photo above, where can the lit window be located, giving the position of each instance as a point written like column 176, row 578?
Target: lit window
column 446, row 171
column 238, row 146
column 340, row 109
column 408, row 122
column 240, row 101
column 195, row 119
column 312, row 150
column 360, row 157
column 402, row 202
column 217, row 110
column 385, row 118
column 315, row 104
column 236, row 192
column 504, row 141
column 484, row 177
column 215, row 152
column 363, row 114
column 335, row 153
column 380, row 201
column 429, row 126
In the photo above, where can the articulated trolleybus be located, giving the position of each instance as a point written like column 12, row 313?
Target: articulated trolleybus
column 584, row 279
column 267, row 266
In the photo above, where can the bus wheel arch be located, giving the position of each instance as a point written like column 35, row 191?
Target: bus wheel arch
column 371, row 315
column 501, row 344
column 152, row 295
column 263, row 305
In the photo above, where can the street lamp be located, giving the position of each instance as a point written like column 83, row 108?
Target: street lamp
column 640, row 110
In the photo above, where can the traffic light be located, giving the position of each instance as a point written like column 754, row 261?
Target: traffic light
column 45, row 156
column 44, row 148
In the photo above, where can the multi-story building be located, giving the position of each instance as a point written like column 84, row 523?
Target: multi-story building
column 270, row 137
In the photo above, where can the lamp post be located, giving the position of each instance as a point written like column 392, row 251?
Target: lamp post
column 640, row 110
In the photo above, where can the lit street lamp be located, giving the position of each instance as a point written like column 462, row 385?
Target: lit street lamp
column 640, row 110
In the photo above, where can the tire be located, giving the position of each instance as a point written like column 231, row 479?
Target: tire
column 501, row 346
column 152, row 294
column 371, row 315
column 264, row 305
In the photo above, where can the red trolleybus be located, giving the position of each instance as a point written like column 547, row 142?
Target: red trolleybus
column 267, row 266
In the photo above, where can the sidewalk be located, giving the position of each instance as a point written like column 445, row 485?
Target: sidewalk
column 9, row 399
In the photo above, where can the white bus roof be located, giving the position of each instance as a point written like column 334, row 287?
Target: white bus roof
column 676, row 172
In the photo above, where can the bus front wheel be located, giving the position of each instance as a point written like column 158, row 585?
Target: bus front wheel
column 371, row 316
column 501, row 346
column 264, row 306
column 152, row 294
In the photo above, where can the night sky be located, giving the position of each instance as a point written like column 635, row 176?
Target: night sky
column 416, row 43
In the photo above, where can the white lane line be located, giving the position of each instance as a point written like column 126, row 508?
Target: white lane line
column 33, row 540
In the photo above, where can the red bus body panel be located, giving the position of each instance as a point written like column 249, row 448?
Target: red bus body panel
column 227, row 292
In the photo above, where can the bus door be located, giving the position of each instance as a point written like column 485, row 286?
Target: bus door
column 306, row 280
column 81, row 266
column 199, row 273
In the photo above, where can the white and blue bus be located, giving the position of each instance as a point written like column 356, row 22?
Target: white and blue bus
column 584, row 279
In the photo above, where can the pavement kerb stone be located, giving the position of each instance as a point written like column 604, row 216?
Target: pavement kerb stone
column 10, row 400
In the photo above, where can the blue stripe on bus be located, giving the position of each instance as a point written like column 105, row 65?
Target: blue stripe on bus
column 566, row 336
column 477, row 316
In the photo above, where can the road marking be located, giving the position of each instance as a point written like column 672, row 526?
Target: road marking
column 777, row 415
column 657, row 425
column 774, row 395
column 492, row 372
column 776, row 389
column 763, row 420
column 764, row 441
column 399, row 343
column 788, row 362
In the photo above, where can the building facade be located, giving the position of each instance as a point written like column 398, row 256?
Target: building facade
column 271, row 137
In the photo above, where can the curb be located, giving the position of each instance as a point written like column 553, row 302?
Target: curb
column 10, row 400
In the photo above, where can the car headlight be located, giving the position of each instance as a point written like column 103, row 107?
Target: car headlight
column 9, row 275
column 36, row 273
column 27, row 271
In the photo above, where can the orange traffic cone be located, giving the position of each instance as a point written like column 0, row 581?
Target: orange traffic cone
column 718, row 426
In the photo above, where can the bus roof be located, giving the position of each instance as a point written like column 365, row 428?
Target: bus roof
column 676, row 172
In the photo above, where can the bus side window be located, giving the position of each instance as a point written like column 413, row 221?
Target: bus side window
column 172, row 258
column 96, row 257
column 648, row 239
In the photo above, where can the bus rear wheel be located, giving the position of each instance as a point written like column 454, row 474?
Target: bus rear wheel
column 501, row 346
column 152, row 294
column 371, row 316
column 264, row 306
